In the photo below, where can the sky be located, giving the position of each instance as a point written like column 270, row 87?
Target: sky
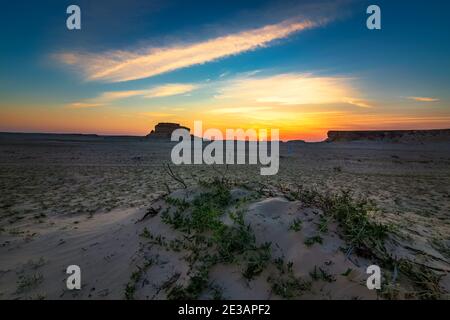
column 303, row 67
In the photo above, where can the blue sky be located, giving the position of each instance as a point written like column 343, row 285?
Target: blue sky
column 393, row 78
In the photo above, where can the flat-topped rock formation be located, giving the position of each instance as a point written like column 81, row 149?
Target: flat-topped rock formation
column 163, row 130
column 438, row 135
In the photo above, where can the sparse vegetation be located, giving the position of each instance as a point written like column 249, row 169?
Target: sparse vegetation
column 323, row 224
column 197, row 283
column 27, row 282
column 347, row 272
column 353, row 216
column 366, row 237
column 285, row 284
column 257, row 261
column 145, row 233
column 312, row 240
column 130, row 287
column 296, row 225
column 212, row 241
column 58, row 186
column 321, row 274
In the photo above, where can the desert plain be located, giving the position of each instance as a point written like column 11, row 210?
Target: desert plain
column 142, row 228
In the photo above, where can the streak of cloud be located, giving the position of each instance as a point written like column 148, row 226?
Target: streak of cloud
column 117, row 66
column 292, row 89
column 424, row 99
column 161, row 91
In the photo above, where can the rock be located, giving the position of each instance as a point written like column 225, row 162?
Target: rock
column 438, row 135
column 163, row 130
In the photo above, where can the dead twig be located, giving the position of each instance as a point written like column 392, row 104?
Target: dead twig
column 174, row 176
column 150, row 212
column 222, row 174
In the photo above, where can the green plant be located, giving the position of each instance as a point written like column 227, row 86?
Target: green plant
column 130, row 287
column 358, row 229
column 323, row 223
column 197, row 283
column 347, row 272
column 257, row 261
column 181, row 204
column 211, row 241
column 146, row 234
column 285, row 284
column 352, row 215
column 27, row 282
column 366, row 236
column 296, row 225
column 314, row 239
column 321, row 274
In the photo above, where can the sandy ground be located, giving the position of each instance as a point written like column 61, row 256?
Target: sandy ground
column 72, row 200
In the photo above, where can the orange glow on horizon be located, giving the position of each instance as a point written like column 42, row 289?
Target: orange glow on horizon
column 292, row 125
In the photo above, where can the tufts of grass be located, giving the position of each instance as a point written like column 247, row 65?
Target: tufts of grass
column 312, row 240
column 358, row 229
column 285, row 284
column 158, row 240
column 212, row 242
column 320, row 274
column 347, row 272
column 27, row 282
column 197, row 284
column 181, row 204
column 146, row 234
column 352, row 215
column 233, row 240
column 176, row 220
column 204, row 210
column 217, row 292
column 130, row 287
column 257, row 261
column 367, row 237
column 296, row 225
column 427, row 280
column 323, row 224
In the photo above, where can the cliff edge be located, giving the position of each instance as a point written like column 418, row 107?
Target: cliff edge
column 404, row 136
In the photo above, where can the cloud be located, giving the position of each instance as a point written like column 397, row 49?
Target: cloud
column 246, row 110
column 117, row 95
column 292, row 89
column 106, row 98
column 119, row 66
column 424, row 99
column 83, row 105
column 359, row 103
column 170, row 90
column 157, row 114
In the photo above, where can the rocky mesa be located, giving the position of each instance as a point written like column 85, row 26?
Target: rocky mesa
column 416, row 136
column 163, row 130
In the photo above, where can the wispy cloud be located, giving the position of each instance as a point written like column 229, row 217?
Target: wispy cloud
column 170, row 90
column 359, row 103
column 230, row 110
column 292, row 89
column 84, row 105
column 424, row 99
column 117, row 95
column 157, row 114
column 119, row 66
column 106, row 98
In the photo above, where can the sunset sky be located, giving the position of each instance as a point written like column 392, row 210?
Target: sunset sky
column 304, row 67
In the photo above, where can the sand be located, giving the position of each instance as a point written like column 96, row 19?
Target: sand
column 67, row 200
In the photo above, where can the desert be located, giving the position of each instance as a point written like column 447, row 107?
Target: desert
column 140, row 227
